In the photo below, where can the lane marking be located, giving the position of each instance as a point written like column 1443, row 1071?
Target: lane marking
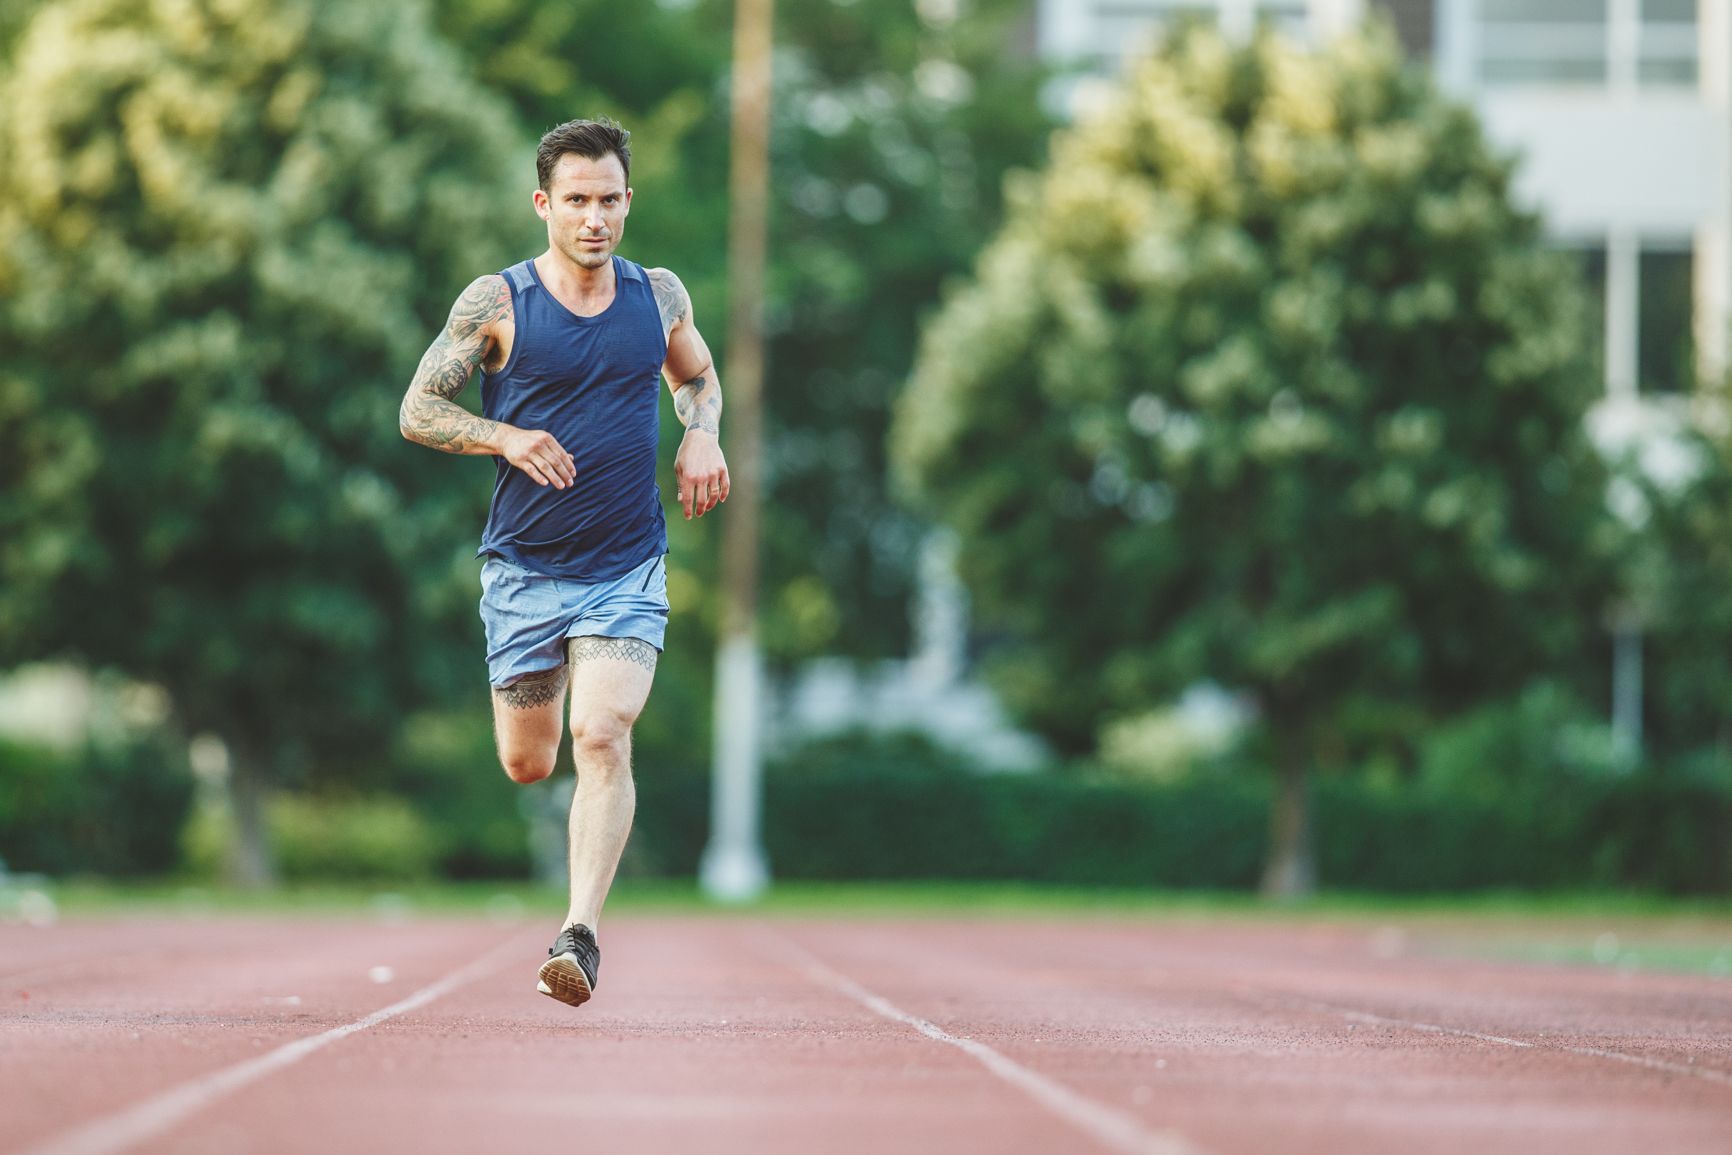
column 1711, row 1074
column 1112, row 1128
column 150, row 1118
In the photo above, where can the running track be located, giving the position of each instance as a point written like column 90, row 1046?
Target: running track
column 728, row 1035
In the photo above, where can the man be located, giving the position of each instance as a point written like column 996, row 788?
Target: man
column 574, row 588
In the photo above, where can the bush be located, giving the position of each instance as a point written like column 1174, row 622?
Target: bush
column 882, row 809
column 378, row 839
column 899, row 808
column 110, row 808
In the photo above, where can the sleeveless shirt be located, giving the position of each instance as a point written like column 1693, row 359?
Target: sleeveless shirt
column 594, row 383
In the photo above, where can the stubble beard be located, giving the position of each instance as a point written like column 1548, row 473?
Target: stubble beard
column 585, row 257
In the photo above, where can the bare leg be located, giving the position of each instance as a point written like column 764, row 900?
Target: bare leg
column 526, row 724
column 610, row 682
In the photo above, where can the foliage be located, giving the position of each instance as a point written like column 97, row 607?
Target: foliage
column 1679, row 575
column 1265, row 381
column 1541, row 738
column 340, row 838
column 833, row 810
column 227, row 230
column 896, row 124
column 112, row 807
column 445, row 767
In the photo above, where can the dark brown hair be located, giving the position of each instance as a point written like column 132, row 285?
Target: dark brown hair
column 592, row 139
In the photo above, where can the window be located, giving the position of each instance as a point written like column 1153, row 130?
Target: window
column 1665, row 338
column 1587, row 42
column 1593, row 266
column 1666, row 44
column 1543, row 42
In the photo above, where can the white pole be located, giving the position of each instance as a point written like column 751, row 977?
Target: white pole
column 734, row 868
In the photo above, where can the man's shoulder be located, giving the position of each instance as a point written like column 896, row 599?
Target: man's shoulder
column 487, row 299
column 670, row 294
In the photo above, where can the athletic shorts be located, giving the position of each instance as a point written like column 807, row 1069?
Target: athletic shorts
column 528, row 615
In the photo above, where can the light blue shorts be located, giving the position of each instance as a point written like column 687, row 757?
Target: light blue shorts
column 528, row 615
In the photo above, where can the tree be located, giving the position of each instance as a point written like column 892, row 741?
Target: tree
column 227, row 230
column 1676, row 491
column 896, row 125
column 1265, row 381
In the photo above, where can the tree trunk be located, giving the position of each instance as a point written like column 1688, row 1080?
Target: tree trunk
column 250, row 866
column 1290, row 872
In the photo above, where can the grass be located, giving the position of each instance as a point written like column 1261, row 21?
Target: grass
column 1629, row 931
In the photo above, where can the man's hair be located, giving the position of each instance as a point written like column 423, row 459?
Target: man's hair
column 592, row 139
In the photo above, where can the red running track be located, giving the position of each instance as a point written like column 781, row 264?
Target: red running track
column 723, row 1035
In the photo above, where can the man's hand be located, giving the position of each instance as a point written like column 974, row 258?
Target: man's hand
column 537, row 453
column 701, row 473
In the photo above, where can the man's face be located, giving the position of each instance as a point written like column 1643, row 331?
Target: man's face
column 585, row 206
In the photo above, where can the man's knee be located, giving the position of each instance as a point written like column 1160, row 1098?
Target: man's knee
column 525, row 767
column 601, row 736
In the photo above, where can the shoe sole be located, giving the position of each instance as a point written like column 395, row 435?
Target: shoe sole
column 562, row 979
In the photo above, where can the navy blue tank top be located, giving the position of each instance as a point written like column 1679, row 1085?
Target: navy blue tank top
column 595, row 384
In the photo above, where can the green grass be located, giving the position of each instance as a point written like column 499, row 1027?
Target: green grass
column 1631, row 931
column 82, row 897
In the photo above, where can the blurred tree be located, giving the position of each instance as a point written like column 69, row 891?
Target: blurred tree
column 1680, row 581
column 14, row 15
column 227, row 230
column 1266, row 381
column 896, row 125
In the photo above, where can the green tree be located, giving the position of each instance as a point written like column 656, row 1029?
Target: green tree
column 896, row 123
column 1677, row 493
column 227, row 230
column 1266, row 381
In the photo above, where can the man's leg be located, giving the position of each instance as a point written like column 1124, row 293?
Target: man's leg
column 527, row 718
column 610, row 682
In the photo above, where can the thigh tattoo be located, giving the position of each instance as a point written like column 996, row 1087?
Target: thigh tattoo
column 618, row 649
column 537, row 689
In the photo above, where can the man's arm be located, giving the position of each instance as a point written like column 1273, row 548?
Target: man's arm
column 430, row 415
column 699, row 468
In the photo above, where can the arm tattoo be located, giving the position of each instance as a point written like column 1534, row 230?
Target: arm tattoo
column 698, row 403
column 533, row 690
column 616, row 649
column 671, row 298
column 429, row 413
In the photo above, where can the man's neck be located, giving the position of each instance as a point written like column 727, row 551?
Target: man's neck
column 580, row 289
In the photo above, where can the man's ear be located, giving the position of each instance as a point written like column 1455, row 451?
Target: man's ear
column 543, row 206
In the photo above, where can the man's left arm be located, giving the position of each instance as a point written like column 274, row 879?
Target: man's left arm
column 700, row 472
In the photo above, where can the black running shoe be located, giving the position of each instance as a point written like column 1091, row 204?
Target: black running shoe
column 573, row 961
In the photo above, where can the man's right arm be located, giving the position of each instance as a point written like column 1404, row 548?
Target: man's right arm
column 430, row 414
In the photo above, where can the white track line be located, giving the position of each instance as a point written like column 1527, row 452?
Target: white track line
column 1113, row 1129
column 1712, row 1074
column 146, row 1120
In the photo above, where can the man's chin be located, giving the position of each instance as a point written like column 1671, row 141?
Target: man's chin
column 590, row 258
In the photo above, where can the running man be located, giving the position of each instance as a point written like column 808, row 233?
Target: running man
column 574, row 588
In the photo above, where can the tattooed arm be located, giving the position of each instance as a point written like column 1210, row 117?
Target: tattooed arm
column 699, row 469
column 430, row 413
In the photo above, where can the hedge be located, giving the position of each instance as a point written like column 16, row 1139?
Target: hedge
column 880, row 815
